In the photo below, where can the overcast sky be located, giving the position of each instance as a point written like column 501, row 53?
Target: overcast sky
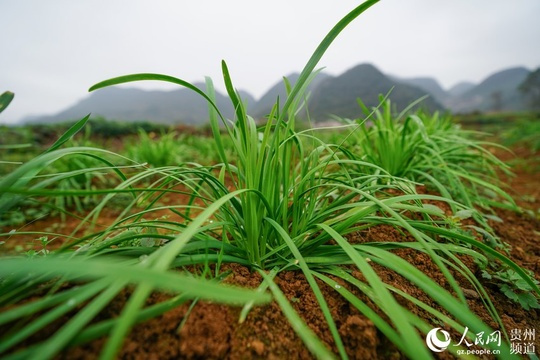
column 53, row 51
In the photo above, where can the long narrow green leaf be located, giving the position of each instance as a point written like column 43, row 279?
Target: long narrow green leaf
column 312, row 342
column 87, row 269
column 155, row 77
column 313, row 284
column 414, row 346
column 321, row 49
column 459, row 310
column 76, row 297
column 377, row 320
column 27, row 172
column 5, row 100
column 159, row 261
column 62, row 337
column 487, row 249
column 74, row 129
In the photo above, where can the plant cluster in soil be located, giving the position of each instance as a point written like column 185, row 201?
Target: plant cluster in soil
column 204, row 330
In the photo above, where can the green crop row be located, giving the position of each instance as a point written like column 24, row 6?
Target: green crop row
column 277, row 199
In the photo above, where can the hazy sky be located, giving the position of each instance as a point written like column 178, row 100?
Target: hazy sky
column 53, row 51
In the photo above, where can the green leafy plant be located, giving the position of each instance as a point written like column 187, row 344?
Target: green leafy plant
column 5, row 99
column 155, row 150
column 100, row 279
column 525, row 131
column 433, row 151
column 287, row 202
column 512, row 285
column 169, row 149
column 202, row 149
column 6, row 144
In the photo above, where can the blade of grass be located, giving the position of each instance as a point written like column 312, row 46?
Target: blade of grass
column 313, row 284
column 414, row 346
column 159, row 261
column 442, row 296
column 312, row 342
column 321, row 49
column 74, row 129
column 5, row 100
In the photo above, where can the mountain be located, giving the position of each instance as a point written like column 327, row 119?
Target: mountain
column 429, row 85
column 248, row 99
column 278, row 90
column 130, row 104
column 460, row 88
column 338, row 95
column 498, row 92
column 330, row 95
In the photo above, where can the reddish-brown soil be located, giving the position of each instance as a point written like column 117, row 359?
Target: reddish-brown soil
column 212, row 331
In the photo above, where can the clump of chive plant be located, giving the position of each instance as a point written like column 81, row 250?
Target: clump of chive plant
column 284, row 204
column 277, row 207
column 432, row 150
column 155, row 150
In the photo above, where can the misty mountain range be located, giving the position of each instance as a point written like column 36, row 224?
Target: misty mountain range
column 330, row 95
